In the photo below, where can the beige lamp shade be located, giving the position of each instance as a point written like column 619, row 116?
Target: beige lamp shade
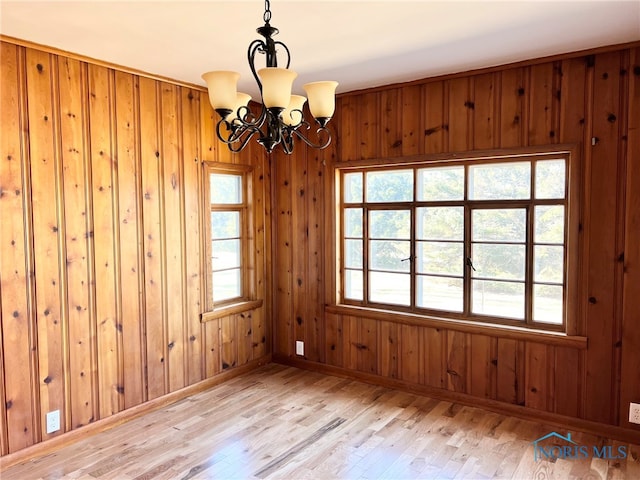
column 291, row 116
column 222, row 87
column 322, row 98
column 242, row 100
column 276, row 86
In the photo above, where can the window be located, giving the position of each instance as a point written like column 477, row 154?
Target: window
column 228, row 218
column 473, row 239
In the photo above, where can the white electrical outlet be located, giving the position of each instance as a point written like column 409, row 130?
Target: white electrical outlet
column 53, row 421
column 299, row 348
column 634, row 413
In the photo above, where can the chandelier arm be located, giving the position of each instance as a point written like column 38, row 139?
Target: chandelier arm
column 286, row 50
column 244, row 120
column 255, row 46
column 244, row 141
column 320, row 132
column 241, row 134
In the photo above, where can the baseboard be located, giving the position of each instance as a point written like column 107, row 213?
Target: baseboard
column 48, row 446
column 526, row 413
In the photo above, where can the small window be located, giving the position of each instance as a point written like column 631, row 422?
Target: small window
column 483, row 239
column 227, row 247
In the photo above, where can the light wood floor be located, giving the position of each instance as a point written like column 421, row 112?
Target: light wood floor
column 281, row 422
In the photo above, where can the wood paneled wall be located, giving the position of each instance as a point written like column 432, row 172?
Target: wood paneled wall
column 590, row 100
column 101, row 254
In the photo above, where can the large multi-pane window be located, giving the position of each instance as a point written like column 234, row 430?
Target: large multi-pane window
column 227, row 192
column 475, row 239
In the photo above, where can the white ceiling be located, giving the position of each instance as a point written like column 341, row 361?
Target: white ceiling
column 358, row 43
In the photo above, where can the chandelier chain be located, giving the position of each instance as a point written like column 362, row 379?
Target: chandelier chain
column 267, row 11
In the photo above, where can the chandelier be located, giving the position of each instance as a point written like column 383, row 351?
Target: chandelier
column 281, row 118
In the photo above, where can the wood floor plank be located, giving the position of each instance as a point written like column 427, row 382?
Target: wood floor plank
column 279, row 422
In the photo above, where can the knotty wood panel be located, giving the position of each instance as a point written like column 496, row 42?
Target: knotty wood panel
column 190, row 100
column 152, row 231
column 435, row 123
column 129, row 219
column 299, row 244
column 389, row 349
column 316, row 231
column 103, row 190
column 45, row 182
column 543, row 108
column 75, row 160
column 460, row 106
column 100, row 242
column 172, row 171
column 20, row 412
column 512, row 96
column 391, row 123
column 572, row 99
column 412, row 122
column 630, row 390
column 485, row 111
column 601, row 232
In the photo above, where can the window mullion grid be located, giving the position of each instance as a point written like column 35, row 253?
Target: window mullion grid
column 528, row 266
column 466, row 271
column 365, row 255
column 413, row 279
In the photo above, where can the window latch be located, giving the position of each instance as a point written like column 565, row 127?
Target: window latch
column 405, row 259
column 470, row 264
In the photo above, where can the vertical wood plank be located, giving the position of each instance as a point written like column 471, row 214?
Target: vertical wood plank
column 173, row 227
column 16, row 308
column 244, row 335
column 483, row 371
column 567, row 381
column 192, row 233
column 367, row 346
column 259, row 203
column 412, row 120
column 434, row 352
column 283, row 253
column 435, row 125
column 73, row 132
column 572, row 100
column 208, row 140
column 299, row 242
column 369, row 125
column 153, row 272
column 317, row 231
column 543, row 111
column 507, row 371
column 484, row 111
column 391, row 123
column 212, row 343
column 350, row 332
column 348, row 133
column 457, row 351
column 538, row 368
column 602, row 254
column 46, row 232
column 228, row 343
column 410, row 364
column 102, row 189
column 512, row 96
column 333, row 340
column 460, row 109
column 630, row 355
column 389, row 342
column 129, row 219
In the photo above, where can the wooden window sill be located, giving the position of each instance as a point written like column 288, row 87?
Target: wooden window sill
column 232, row 309
column 494, row 330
